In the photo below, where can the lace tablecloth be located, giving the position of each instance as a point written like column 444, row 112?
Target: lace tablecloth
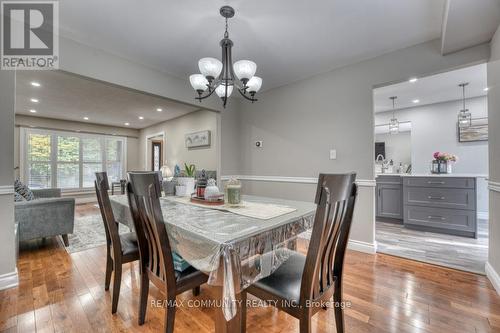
column 249, row 249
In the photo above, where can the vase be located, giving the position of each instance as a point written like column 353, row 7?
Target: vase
column 448, row 168
column 185, row 186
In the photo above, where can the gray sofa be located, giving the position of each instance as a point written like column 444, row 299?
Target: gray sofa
column 47, row 216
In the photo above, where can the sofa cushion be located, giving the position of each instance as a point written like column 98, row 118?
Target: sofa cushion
column 23, row 190
column 18, row 197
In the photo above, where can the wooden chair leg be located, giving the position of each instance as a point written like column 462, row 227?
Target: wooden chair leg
column 65, row 240
column 143, row 297
column 109, row 270
column 339, row 312
column 196, row 291
column 170, row 316
column 117, row 280
column 305, row 324
column 243, row 320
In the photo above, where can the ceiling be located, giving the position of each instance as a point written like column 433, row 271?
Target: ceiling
column 70, row 97
column 468, row 23
column 289, row 40
column 432, row 89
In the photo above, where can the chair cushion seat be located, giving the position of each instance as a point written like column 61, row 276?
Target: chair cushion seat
column 129, row 243
column 186, row 273
column 286, row 280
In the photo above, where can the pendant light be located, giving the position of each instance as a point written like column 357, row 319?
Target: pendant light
column 394, row 124
column 464, row 116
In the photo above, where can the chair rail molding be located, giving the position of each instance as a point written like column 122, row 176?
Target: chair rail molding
column 300, row 180
column 9, row 280
column 493, row 276
column 6, row 189
column 494, row 186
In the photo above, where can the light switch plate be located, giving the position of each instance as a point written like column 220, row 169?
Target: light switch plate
column 333, row 154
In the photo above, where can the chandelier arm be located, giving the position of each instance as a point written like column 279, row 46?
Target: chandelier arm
column 252, row 99
column 210, row 92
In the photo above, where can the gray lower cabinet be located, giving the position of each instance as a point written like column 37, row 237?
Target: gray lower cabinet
column 440, row 204
column 389, row 199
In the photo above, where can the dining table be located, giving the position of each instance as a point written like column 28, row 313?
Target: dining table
column 234, row 245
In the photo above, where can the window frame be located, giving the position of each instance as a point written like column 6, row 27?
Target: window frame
column 54, row 134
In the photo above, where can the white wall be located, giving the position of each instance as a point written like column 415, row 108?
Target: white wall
column 493, row 266
column 397, row 146
column 434, row 128
column 8, row 273
column 300, row 122
column 175, row 151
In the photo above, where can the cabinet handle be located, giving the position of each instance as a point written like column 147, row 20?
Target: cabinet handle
column 430, row 217
column 435, row 198
column 437, row 183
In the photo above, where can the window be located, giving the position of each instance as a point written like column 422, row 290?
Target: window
column 70, row 160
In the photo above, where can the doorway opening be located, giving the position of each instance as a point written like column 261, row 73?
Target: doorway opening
column 439, row 218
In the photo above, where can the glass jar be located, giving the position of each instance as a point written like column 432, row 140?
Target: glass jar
column 233, row 192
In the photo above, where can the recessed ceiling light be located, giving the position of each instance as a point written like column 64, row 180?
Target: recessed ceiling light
column 141, row 118
column 486, row 89
column 33, row 111
column 159, row 109
column 35, row 84
column 127, row 124
column 416, row 101
column 413, row 80
column 85, row 118
column 34, row 100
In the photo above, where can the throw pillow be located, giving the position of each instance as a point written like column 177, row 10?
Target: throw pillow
column 23, row 190
column 18, row 197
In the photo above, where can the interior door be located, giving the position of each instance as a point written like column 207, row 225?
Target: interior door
column 156, row 155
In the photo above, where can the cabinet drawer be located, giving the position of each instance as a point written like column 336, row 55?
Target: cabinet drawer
column 441, row 182
column 441, row 218
column 457, row 198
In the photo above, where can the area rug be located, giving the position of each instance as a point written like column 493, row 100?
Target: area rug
column 89, row 233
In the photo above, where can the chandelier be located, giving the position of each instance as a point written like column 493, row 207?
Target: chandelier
column 223, row 77
column 464, row 116
column 394, row 124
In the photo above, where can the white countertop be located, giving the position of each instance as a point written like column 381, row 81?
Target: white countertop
column 458, row 175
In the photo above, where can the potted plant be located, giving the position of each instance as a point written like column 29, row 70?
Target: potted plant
column 442, row 162
column 186, row 181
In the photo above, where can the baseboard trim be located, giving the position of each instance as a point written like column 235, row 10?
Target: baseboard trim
column 9, row 280
column 493, row 276
column 6, row 189
column 483, row 215
column 365, row 247
column 300, row 180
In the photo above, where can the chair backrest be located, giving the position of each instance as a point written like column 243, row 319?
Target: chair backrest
column 335, row 198
column 144, row 199
column 110, row 224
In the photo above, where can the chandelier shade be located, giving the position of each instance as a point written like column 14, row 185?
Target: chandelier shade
column 464, row 116
column 245, row 69
column 198, row 82
column 210, row 67
column 394, row 124
column 222, row 77
column 254, row 84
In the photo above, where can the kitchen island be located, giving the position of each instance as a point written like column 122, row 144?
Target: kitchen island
column 444, row 203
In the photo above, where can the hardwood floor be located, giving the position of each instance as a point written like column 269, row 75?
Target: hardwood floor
column 59, row 292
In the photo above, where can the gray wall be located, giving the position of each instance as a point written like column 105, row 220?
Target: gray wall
column 397, row 146
column 300, row 122
column 494, row 149
column 7, row 107
column 175, row 151
column 434, row 128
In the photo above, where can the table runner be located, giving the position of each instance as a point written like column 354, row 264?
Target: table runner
column 258, row 210
column 249, row 249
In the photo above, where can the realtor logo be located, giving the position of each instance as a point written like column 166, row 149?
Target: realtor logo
column 30, row 35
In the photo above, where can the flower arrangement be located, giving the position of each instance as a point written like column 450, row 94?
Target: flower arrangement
column 440, row 156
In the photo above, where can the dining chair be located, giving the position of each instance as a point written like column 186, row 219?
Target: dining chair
column 120, row 248
column 303, row 285
column 157, row 263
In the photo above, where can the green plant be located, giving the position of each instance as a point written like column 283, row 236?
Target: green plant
column 189, row 170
